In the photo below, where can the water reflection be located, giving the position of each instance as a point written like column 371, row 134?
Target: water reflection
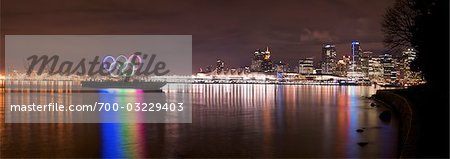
column 114, row 135
column 228, row 121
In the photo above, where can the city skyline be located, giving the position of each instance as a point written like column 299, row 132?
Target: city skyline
column 290, row 28
column 362, row 67
column 327, row 52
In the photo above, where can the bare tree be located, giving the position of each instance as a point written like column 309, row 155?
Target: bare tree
column 398, row 25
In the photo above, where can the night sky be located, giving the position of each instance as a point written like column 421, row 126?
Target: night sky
column 226, row 29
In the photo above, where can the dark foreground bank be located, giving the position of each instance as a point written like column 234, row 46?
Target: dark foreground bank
column 424, row 122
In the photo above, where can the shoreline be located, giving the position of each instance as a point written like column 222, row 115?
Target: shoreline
column 408, row 120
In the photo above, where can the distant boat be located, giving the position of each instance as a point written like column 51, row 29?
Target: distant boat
column 348, row 83
column 144, row 85
column 390, row 85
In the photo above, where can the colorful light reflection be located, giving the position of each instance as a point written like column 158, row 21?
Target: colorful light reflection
column 121, row 140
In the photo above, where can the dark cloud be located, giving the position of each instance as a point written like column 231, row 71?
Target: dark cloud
column 316, row 36
column 228, row 29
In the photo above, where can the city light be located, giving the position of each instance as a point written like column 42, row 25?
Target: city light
column 362, row 68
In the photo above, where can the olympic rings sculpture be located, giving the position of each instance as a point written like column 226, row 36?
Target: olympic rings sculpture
column 122, row 65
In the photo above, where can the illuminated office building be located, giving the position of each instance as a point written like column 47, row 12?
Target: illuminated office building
column 281, row 67
column 356, row 51
column 406, row 73
column 375, row 69
column 220, row 65
column 363, row 62
column 328, row 59
column 343, row 65
column 306, row 66
column 389, row 71
column 261, row 61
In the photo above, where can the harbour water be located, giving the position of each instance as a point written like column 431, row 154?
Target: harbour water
column 240, row 120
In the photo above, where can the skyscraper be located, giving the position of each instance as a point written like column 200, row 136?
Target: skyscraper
column 281, row 67
column 363, row 62
column 219, row 65
column 375, row 69
column 306, row 66
column 408, row 56
column 258, row 57
column 355, row 51
column 406, row 74
column 261, row 61
column 389, row 71
column 328, row 59
column 343, row 66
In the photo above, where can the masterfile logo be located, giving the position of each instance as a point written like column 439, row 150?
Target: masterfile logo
column 99, row 55
column 120, row 66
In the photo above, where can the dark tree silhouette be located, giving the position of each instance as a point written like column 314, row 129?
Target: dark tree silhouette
column 423, row 25
column 431, row 39
column 398, row 25
column 428, row 33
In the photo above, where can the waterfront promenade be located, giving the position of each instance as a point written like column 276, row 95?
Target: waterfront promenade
column 423, row 120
